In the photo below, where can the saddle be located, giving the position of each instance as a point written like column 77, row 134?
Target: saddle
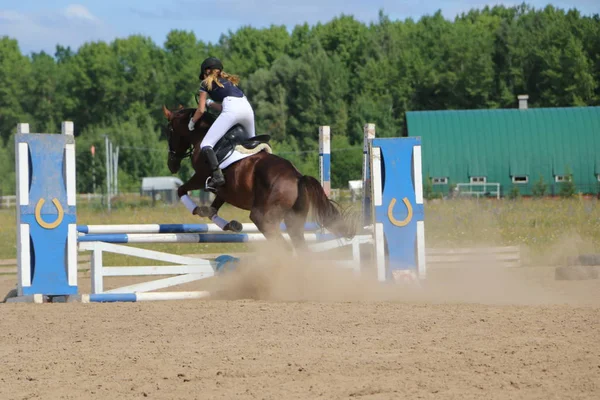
column 236, row 138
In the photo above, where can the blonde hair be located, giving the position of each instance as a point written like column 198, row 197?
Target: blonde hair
column 214, row 76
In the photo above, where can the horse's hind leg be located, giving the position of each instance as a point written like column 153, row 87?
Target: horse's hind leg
column 295, row 218
column 294, row 222
column 268, row 223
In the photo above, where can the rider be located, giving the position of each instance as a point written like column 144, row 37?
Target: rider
column 222, row 88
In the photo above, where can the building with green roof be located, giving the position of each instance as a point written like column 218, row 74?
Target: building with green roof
column 496, row 150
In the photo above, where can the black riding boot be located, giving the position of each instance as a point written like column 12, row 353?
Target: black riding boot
column 217, row 178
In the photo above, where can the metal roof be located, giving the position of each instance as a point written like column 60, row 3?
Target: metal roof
column 500, row 143
column 161, row 183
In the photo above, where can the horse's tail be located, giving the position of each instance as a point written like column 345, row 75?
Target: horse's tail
column 326, row 211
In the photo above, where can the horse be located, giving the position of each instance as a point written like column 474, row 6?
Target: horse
column 267, row 185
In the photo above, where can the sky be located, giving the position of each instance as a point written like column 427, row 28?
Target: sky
column 42, row 24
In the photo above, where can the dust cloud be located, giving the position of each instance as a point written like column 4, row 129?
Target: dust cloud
column 272, row 275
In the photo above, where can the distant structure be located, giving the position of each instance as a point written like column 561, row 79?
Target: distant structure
column 491, row 152
column 163, row 188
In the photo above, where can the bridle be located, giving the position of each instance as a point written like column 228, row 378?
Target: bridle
column 173, row 156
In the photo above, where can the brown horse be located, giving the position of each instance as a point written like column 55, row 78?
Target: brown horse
column 268, row 186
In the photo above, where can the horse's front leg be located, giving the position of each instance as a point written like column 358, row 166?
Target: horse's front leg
column 212, row 213
column 194, row 183
column 209, row 211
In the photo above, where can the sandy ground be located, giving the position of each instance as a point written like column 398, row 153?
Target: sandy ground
column 305, row 331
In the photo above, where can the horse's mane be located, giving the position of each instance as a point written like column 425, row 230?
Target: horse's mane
column 188, row 112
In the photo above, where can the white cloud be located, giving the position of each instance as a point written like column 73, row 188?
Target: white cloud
column 44, row 29
column 10, row 16
column 79, row 11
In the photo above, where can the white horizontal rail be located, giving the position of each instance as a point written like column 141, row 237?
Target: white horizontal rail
column 160, row 270
column 508, row 256
column 159, row 284
column 129, row 238
column 143, row 253
column 473, row 250
column 172, row 296
column 332, row 244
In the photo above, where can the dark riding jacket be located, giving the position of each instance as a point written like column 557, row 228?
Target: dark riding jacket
column 218, row 93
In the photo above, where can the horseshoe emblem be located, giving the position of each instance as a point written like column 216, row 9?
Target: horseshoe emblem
column 38, row 214
column 406, row 220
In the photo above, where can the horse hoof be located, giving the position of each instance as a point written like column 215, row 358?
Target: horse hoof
column 202, row 211
column 233, row 226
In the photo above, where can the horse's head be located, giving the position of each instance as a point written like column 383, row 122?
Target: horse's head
column 180, row 139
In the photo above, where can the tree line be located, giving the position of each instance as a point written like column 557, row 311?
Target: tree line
column 343, row 73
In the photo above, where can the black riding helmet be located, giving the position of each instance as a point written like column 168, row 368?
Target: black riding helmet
column 210, row 63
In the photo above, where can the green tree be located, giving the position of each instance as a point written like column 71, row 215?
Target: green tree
column 249, row 49
column 344, row 37
column 539, row 188
column 320, row 90
column 140, row 152
column 428, row 188
column 15, row 70
column 183, row 57
column 567, row 187
column 143, row 71
column 346, row 161
column 514, row 193
column 271, row 92
column 7, row 169
column 42, row 94
column 97, row 84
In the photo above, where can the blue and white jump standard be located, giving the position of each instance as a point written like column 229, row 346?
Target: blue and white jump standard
column 46, row 230
column 325, row 158
column 397, row 209
column 48, row 238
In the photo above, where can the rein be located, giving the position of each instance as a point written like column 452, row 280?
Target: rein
column 172, row 153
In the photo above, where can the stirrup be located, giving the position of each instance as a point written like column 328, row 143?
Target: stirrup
column 208, row 185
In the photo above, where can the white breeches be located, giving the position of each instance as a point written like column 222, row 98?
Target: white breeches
column 236, row 110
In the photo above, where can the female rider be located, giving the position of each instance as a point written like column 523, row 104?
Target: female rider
column 235, row 109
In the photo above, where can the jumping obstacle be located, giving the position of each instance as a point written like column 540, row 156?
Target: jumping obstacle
column 188, row 269
column 47, row 251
